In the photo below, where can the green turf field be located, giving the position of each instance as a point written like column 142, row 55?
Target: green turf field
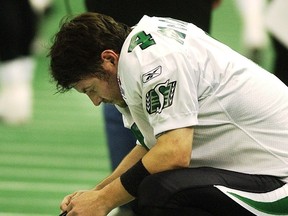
column 64, row 147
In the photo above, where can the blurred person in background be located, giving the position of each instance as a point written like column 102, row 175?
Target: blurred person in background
column 121, row 140
column 19, row 24
column 254, row 34
column 263, row 21
column 277, row 25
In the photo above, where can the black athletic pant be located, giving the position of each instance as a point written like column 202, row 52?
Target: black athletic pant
column 280, row 61
column 130, row 12
column 18, row 24
column 192, row 192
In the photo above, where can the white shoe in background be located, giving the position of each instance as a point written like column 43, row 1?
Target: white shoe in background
column 16, row 93
column 16, row 104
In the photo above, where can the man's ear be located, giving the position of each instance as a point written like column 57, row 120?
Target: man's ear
column 110, row 55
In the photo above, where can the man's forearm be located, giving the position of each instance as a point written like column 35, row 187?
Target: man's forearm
column 132, row 158
column 115, row 194
column 99, row 202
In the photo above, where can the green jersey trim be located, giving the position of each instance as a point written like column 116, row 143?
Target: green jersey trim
column 138, row 135
column 268, row 203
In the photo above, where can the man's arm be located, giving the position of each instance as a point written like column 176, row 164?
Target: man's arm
column 134, row 156
column 172, row 151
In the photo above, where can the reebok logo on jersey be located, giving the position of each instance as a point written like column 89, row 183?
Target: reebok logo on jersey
column 151, row 74
column 160, row 97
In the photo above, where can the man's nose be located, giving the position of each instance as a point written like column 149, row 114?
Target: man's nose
column 96, row 100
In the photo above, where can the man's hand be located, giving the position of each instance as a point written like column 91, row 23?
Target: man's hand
column 88, row 203
column 66, row 201
column 96, row 202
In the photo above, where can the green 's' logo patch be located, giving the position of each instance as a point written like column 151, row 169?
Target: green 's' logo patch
column 160, row 97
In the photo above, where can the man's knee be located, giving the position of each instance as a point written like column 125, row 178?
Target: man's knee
column 154, row 191
column 159, row 194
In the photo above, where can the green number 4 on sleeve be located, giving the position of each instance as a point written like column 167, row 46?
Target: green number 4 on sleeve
column 142, row 39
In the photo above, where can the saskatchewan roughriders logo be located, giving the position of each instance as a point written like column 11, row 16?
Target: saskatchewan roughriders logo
column 160, row 97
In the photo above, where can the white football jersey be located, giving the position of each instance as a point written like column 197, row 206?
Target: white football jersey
column 173, row 75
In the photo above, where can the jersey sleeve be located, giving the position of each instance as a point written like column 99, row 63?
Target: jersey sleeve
column 169, row 93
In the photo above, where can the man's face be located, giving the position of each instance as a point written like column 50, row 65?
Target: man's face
column 103, row 90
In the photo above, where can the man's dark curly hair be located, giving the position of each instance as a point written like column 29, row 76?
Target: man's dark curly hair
column 76, row 50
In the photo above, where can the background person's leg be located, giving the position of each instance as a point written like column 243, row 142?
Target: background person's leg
column 18, row 24
column 130, row 11
column 280, row 63
column 120, row 139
